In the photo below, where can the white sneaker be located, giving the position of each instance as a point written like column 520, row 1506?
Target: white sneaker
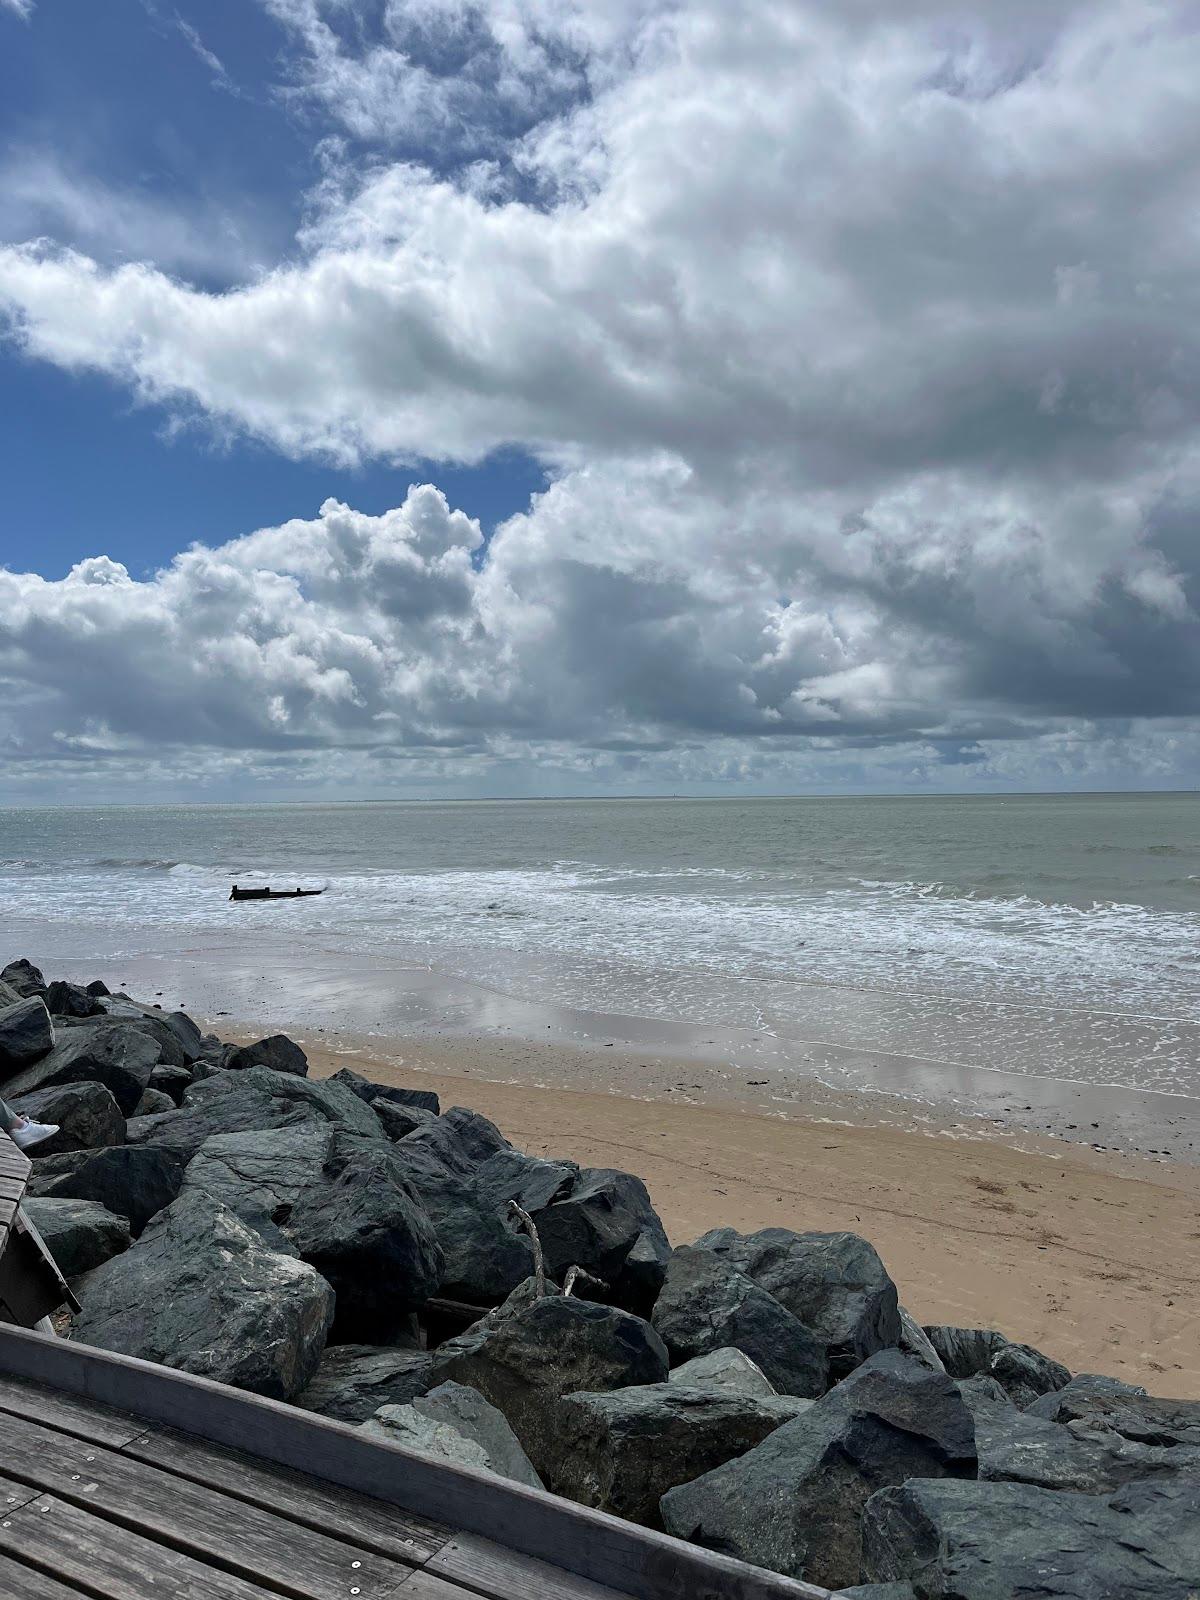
column 33, row 1133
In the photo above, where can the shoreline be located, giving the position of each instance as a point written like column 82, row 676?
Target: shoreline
column 1091, row 1256
column 383, row 1007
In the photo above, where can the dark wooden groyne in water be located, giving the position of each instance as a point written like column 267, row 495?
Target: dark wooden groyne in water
column 120, row 1479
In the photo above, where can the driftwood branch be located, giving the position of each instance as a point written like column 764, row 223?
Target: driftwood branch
column 539, row 1265
column 579, row 1275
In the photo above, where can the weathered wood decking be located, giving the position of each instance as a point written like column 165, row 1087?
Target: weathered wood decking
column 121, row 1480
column 31, row 1286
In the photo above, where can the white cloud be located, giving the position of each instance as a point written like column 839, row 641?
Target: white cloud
column 23, row 8
column 860, row 341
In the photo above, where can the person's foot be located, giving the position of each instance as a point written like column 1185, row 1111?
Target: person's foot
column 33, row 1133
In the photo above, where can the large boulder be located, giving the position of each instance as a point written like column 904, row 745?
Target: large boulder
column 23, row 978
column 26, row 1034
column 354, row 1380
column 706, row 1303
column 529, row 1180
column 997, row 1541
column 460, row 1139
column 419, row 1099
column 621, row 1451
column 202, row 1292
column 179, row 1036
column 117, row 1054
column 71, row 1000
column 80, row 1234
column 254, row 1099
column 1025, row 1374
column 277, row 1053
column 152, row 1102
column 88, row 1117
column 914, row 1341
column 526, row 1356
column 726, row 1368
column 1016, row 1447
column 964, row 1352
column 834, row 1283
column 1104, row 1405
column 399, row 1121
column 174, row 1082
column 484, row 1260
column 455, row 1423
column 794, row 1503
column 133, row 1182
column 343, row 1202
column 606, row 1224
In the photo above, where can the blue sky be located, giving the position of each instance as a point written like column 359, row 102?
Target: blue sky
column 118, row 95
column 467, row 396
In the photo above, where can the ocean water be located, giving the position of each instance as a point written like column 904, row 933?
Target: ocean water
column 1051, row 936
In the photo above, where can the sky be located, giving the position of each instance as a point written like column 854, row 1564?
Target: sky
column 415, row 397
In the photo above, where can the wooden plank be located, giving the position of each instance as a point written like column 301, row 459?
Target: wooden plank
column 492, row 1570
column 66, row 1414
column 19, row 1582
column 424, row 1586
column 257, row 1546
column 79, row 1549
column 634, row 1561
column 372, row 1524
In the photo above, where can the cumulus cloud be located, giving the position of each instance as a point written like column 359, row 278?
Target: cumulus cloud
column 859, row 339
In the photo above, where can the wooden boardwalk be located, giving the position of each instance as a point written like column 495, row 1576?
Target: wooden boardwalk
column 149, row 1498
column 14, row 1175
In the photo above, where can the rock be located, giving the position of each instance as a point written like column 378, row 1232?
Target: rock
column 794, row 1502
column 420, row 1099
column 200, row 1291
column 981, row 1391
column 997, row 1541
column 606, row 1224
column 461, row 1140
column 965, row 1352
column 399, row 1121
column 187, row 1034
column 621, row 1451
column 214, row 1057
column 87, row 1115
column 23, row 978
column 97, row 988
column 834, row 1283
column 706, row 1303
column 252, row 1100
column 1025, row 1373
column 878, row 1591
column 914, row 1341
column 133, row 1182
column 80, row 1234
column 71, row 1000
column 1103, row 1405
column 1015, row 1447
column 354, row 1380
column 726, row 1368
column 154, row 1024
column 343, row 1203
column 152, row 1102
column 483, row 1259
column 26, row 1034
column 171, row 1081
column 530, row 1181
column 524, row 1360
column 277, row 1053
column 455, row 1423
column 117, row 1054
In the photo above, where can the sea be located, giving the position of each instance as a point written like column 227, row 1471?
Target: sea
column 1054, row 937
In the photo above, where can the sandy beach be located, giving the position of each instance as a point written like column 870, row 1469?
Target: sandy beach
column 1091, row 1256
